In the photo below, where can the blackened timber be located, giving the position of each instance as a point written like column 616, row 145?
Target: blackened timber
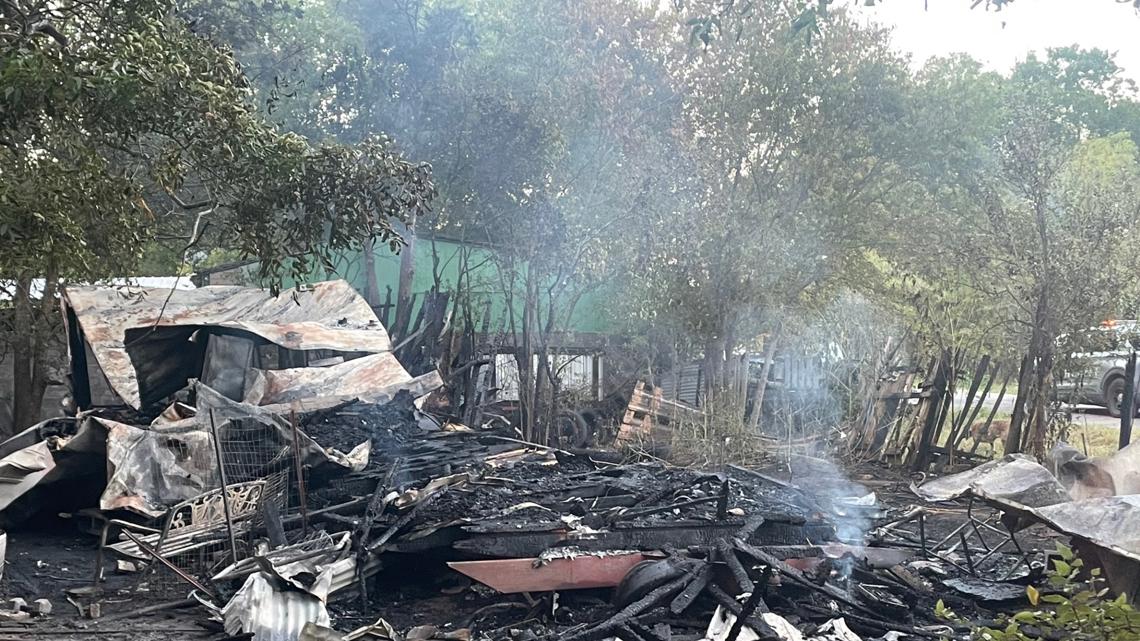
column 934, row 413
column 629, row 516
column 693, row 590
column 722, row 503
column 379, row 543
column 633, row 610
column 646, row 632
column 759, row 626
column 751, row 524
column 798, row 576
column 754, row 602
column 728, row 556
column 680, row 534
column 872, row 623
column 376, row 506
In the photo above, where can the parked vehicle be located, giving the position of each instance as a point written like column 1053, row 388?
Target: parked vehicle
column 1095, row 376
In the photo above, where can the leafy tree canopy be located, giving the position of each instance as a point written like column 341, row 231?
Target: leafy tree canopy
column 123, row 121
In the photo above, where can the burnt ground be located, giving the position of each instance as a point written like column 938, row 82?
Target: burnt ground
column 50, row 558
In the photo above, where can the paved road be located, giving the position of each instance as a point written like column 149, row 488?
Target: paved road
column 1089, row 415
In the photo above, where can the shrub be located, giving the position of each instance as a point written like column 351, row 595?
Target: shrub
column 1076, row 605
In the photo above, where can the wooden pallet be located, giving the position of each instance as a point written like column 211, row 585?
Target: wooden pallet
column 649, row 415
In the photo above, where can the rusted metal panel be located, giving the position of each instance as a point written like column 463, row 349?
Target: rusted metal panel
column 359, row 377
column 132, row 332
column 512, row 576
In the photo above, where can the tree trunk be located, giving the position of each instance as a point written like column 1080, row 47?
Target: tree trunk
column 524, row 357
column 1024, row 376
column 24, row 410
column 1041, row 389
column 762, row 384
column 407, row 275
column 713, row 366
column 29, row 351
column 371, row 286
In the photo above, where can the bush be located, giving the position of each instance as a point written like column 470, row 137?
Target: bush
column 1077, row 605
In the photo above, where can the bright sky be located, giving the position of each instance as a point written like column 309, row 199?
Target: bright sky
column 1000, row 38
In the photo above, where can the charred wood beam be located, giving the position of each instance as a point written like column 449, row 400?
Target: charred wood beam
column 679, row 535
column 755, row 602
column 378, row 545
column 870, row 623
column 750, row 526
column 629, row 516
column 630, row 612
column 376, row 506
column 727, row 555
column 722, row 502
column 798, row 577
column 732, row 605
column 693, row 590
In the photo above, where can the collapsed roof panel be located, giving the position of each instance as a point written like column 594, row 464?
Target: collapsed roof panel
column 373, row 376
column 1112, row 522
column 139, row 336
column 1015, row 478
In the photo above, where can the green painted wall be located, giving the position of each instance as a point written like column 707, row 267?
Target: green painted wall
column 588, row 316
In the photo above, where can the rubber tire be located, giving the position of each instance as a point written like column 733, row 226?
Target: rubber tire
column 578, row 436
column 1112, row 392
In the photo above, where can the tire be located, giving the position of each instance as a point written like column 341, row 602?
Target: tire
column 1113, row 394
column 572, row 430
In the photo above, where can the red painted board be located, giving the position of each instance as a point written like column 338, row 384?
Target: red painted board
column 511, row 576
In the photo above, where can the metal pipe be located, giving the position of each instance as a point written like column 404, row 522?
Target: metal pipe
column 966, row 551
column 225, row 486
column 300, row 471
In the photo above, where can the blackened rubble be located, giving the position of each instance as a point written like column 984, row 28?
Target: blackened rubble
column 387, row 426
column 427, row 497
column 218, row 515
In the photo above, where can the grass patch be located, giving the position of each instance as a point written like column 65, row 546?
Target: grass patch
column 1098, row 439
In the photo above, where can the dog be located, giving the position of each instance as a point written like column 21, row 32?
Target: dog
column 982, row 433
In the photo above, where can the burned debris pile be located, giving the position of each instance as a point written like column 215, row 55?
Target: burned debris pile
column 267, row 472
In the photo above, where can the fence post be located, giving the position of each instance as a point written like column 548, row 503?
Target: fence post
column 934, row 412
column 1128, row 403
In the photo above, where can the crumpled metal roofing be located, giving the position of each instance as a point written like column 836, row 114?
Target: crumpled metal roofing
column 1112, row 522
column 364, row 377
column 1013, row 479
column 119, row 324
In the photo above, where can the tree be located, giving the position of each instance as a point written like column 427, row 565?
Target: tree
column 788, row 174
column 1029, row 202
column 119, row 123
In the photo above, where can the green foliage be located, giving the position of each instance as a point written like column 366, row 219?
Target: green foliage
column 1076, row 605
column 126, row 123
column 1023, row 204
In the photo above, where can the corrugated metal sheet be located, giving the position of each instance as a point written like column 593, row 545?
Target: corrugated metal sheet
column 139, row 337
column 684, row 385
column 272, row 614
column 368, row 375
